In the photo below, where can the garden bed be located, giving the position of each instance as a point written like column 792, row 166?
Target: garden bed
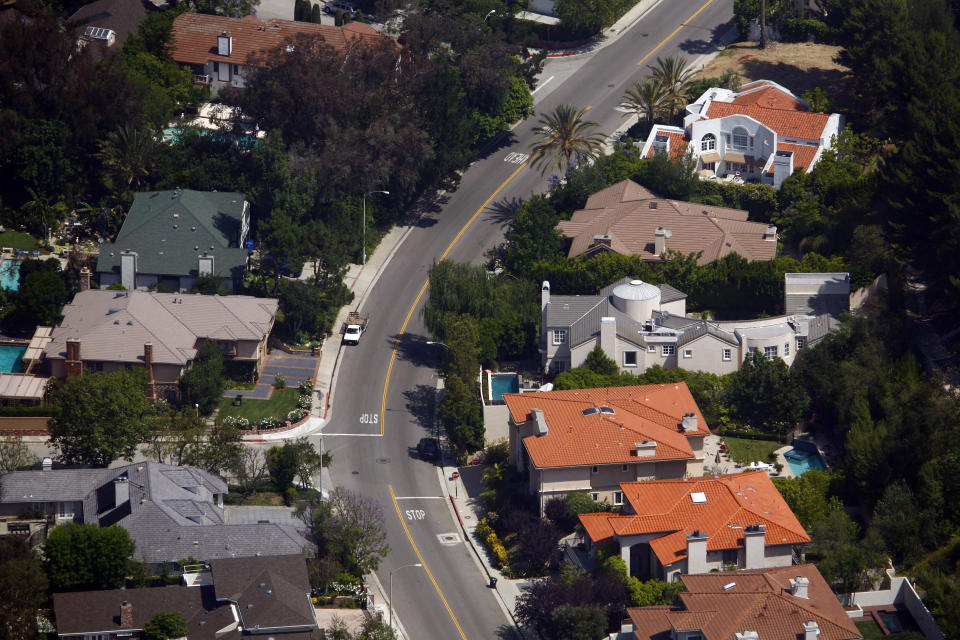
column 266, row 497
column 283, row 405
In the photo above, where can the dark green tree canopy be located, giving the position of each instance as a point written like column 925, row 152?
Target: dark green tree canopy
column 166, row 625
column 205, row 380
column 81, row 557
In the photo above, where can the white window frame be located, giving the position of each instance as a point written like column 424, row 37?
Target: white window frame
column 595, row 496
column 636, row 359
column 801, row 342
column 651, row 348
column 559, row 336
column 668, row 350
column 708, row 142
column 786, row 349
column 726, row 355
column 771, row 352
column 688, row 353
column 709, row 166
column 595, row 469
column 618, row 497
column 740, row 141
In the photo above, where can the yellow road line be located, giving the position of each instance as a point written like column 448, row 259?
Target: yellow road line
column 413, row 544
column 675, row 32
column 423, row 289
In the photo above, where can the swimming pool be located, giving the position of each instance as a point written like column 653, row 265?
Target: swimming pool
column 11, row 358
column 501, row 383
column 802, row 461
column 10, row 274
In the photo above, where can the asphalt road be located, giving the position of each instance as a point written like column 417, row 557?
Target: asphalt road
column 448, row 597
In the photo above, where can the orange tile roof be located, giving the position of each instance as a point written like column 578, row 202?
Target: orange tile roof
column 195, row 36
column 630, row 222
column 766, row 95
column 732, row 503
column 678, row 143
column 803, row 155
column 787, row 123
column 644, row 412
column 760, row 601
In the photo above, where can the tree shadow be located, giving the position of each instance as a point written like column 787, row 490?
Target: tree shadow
column 421, row 401
column 498, row 142
column 413, row 348
column 502, row 211
column 698, row 46
column 837, row 83
column 426, row 209
column 507, row 632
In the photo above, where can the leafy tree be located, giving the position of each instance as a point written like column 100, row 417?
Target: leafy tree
column 129, row 155
column 83, row 557
column 204, row 382
column 218, row 450
column 650, row 99
column 579, row 622
column 809, row 496
column 897, row 520
column 585, row 17
column 23, row 589
column 230, row 8
column 98, row 417
column 566, row 139
column 844, row 559
column 40, row 298
column 349, row 527
column 282, row 466
column 766, row 395
column 539, row 600
column 14, row 454
column 166, row 625
column 209, row 284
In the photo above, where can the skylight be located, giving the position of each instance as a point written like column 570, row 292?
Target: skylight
column 698, row 497
column 729, row 586
column 589, row 412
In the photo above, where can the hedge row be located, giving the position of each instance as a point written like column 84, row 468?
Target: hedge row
column 750, row 435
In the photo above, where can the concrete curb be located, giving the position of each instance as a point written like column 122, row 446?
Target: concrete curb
column 611, row 34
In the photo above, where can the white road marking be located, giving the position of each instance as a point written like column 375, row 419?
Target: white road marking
column 541, row 85
column 516, row 158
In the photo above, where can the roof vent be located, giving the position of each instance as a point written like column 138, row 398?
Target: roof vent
column 653, row 204
column 698, row 497
column 729, row 585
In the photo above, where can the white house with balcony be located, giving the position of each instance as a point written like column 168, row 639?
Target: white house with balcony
column 762, row 133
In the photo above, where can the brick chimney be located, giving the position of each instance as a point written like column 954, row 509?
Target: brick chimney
column 148, row 365
column 126, row 615
column 73, row 365
column 84, row 279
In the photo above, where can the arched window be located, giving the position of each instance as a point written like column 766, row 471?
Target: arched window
column 708, row 142
column 740, row 138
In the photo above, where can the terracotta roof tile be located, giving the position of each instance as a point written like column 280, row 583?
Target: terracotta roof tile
column 769, row 97
column 645, row 412
column 195, row 36
column 732, row 503
column 678, row 143
column 790, row 124
column 803, row 155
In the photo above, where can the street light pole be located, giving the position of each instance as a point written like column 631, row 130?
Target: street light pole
column 391, row 589
column 365, row 194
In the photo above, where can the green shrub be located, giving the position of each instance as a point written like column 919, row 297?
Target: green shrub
column 279, row 382
column 801, row 30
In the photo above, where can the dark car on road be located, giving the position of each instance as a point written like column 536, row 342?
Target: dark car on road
column 429, row 448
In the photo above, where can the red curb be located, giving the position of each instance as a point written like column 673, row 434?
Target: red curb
column 457, row 511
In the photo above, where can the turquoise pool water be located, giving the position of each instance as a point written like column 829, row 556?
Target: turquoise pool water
column 243, row 141
column 11, row 358
column 10, row 274
column 501, row 383
column 802, row 461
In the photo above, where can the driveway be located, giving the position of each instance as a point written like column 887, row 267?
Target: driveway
column 293, row 367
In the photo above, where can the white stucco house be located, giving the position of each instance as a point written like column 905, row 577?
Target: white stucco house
column 762, row 133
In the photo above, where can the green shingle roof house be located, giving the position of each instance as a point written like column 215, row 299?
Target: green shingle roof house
column 171, row 237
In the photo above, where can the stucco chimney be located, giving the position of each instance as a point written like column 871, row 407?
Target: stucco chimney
column 540, row 427
column 128, row 270
column 126, row 615
column 689, row 422
column 661, row 143
column 659, row 241
column 770, row 235
column 696, row 552
column 754, row 542
column 799, row 586
column 608, row 336
column 224, row 44
column 544, row 295
column 84, row 279
column 205, row 265
column 73, row 366
column 811, row 630
column 121, row 490
column 47, row 464
column 148, row 365
column 782, row 167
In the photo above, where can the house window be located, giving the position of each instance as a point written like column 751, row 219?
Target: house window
column 559, row 366
column 770, row 352
column 688, row 353
column 651, row 349
column 624, row 468
column 726, row 355
column 618, row 497
column 801, row 343
column 559, row 336
column 669, row 350
column 595, row 469
column 708, row 142
column 216, row 67
column 786, row 349
column 93, row 366
column 740, row 138
column 236, row 69
column 595, row 496
column 709, row 166
column 629, row 358
column 729, row 556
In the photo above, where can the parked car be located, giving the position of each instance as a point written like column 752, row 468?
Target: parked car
column 339, row 5
column 429, row 448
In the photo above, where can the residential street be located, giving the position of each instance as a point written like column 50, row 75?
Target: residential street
column 376, row 394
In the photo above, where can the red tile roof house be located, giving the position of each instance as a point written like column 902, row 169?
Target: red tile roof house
column 788, row 603
column 594, row 439
column 221, row 50
column 763, row 131
column 698, row 525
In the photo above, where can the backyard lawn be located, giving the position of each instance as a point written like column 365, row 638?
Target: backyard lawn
column 280, row 403
column 746, row 451
column 870, row 630
column 17, row 240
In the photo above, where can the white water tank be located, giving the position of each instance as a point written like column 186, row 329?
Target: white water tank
column 637, row 299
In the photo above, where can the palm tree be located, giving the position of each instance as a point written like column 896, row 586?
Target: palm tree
column 129, row 154
column 648, row 98
column 565, row 134
column 675, row 75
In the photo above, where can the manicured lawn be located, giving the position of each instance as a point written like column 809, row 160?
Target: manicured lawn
column 266, row 498
column 746, row 451
column 870, row 630
column 280, row 403
column 17, row 240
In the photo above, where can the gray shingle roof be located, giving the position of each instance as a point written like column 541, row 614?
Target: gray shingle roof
column 169, row 233
column 66, row 485
column 114, row 325
column 269, row 591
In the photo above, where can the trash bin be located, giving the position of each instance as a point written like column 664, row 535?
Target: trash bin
column 493, row 582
